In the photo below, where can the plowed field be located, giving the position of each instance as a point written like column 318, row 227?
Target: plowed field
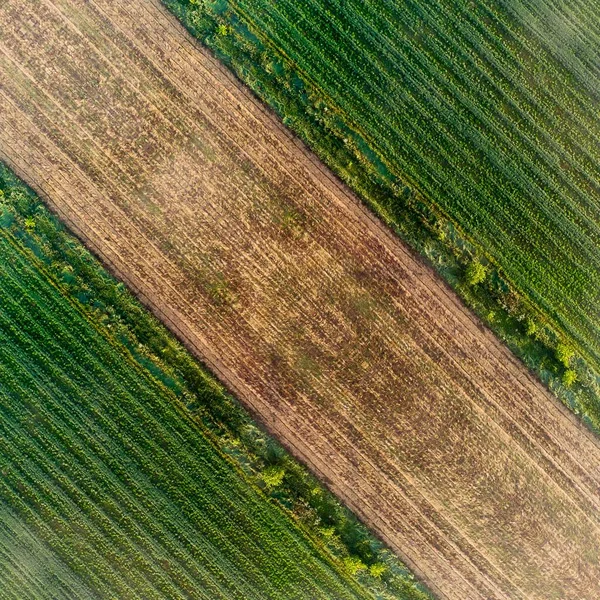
column 347, row 347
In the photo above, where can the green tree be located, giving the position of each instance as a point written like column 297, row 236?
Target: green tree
column 564, row 353
column 476, row 272
column 569, row 377
column 273, row 476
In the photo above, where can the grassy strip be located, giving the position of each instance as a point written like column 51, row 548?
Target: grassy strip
column 78, row 276
column 565, row 363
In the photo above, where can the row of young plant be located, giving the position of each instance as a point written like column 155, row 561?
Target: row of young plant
column 68, row 360
column 515, row 224
column 90, row 442
column 70, row 454
column 572, row 32
column 565, row 360
column 27, row 564
column 535, row 107
column 437, row 126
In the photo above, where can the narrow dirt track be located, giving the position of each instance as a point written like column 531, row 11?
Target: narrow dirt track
column 351, row 351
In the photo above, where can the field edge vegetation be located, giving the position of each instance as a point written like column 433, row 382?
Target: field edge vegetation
column 546, row 350
column 264, row 462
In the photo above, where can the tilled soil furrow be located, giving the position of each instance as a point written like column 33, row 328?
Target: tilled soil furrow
column 353, row 352
column 586, row 472
column 444, row 547
column 449, row 533
column 582, row 471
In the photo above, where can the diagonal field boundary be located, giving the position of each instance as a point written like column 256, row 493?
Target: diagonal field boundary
column 341, row 342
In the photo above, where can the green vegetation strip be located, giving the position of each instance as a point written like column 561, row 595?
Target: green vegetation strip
column 467, row 130
column 126, row 470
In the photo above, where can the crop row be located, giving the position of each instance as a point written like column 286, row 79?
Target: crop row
column 28, row 564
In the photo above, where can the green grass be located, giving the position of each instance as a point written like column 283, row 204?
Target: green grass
column 469, row 127
column 127, row 471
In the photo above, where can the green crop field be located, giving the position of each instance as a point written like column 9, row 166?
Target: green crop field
column 477, row 120
column 114, row 475
column 99, row 463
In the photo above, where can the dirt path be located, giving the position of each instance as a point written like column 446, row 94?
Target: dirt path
column 344, row 345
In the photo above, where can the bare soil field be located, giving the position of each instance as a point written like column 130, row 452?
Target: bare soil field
column 331, row 332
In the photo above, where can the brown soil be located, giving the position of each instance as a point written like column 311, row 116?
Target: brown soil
column 350, row 350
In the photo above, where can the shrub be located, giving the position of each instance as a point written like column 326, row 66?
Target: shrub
column 476, row 273
column 377, row 569
column 569, row 377
column 530, row 327
column 273, row 476
column 353, row 564
column 564, row 354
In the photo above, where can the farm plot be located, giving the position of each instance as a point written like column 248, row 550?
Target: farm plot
column 471, row 129
column 344, row 546
column 348, row 348
column 107, row 488
column 491, row 109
